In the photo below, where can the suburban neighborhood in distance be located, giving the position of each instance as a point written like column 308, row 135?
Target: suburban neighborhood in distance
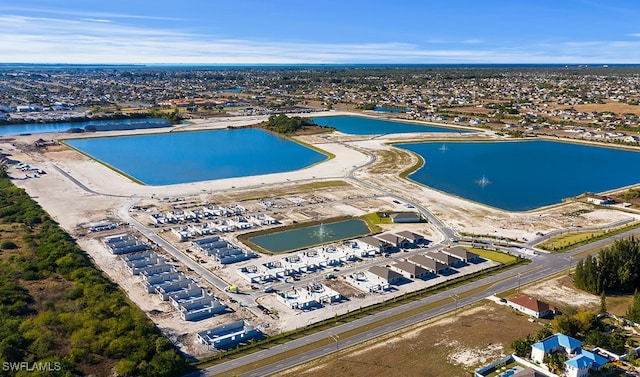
column 413, row 201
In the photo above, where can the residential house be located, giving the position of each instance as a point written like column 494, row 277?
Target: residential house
column 414, row 238
column 462, row 254
column 372, row 243
column 600, row 200
column 410, row 270
column 394, row 240
column 429, row 264
column 386, row 275
column 229, row 335
column 445, row 259
column 579, row 362
column 405, row 217
column 531, row 306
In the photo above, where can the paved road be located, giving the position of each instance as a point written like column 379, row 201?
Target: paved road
column 246, row 300
column 542, row 266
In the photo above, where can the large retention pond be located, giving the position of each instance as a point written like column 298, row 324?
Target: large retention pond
column 523, row 175
column 181, row 157
column 356, row 125
column 99, row 125
column 297, row 239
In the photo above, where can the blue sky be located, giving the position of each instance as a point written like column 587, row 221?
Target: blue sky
column 318, row 32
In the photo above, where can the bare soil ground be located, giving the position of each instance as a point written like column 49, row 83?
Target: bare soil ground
column 449, row 347
column 326, row 189
column 561, row 293
column 614, row 107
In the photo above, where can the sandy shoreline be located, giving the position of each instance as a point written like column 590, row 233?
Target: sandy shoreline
column 72, row 205
column 76, row 190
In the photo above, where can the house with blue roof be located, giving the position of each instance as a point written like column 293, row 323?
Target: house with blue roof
column 555, row 343
column 579, row 362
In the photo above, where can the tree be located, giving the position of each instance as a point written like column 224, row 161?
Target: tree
column 566, row 324
column 555, row 361
column 283, row 124
column 633, row 312
column 616, row 268
column 544, row 333
column 603, row 303
column 522, row 347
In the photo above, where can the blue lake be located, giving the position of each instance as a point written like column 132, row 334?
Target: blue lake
column 355, row 125
column 230, row 90
column 394, row 110
column 181, row 157
column 39, row 128
column 520, row 176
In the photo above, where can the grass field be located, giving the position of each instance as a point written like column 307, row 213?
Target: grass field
column 374, row 219
column 452, row 346
column 567, row 239
column 495, row 256
column 570, row 240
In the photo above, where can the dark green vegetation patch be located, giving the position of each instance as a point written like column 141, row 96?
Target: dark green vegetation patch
column 58, row 312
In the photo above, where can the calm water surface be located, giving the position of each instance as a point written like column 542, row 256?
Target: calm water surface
column 355, row 125
column 181, row 157
column 520, row 176
column 39, row 128
column 303, row 238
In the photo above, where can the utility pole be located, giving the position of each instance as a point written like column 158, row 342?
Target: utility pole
column 336, row 338
column 519, row 282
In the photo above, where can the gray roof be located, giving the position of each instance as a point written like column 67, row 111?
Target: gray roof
column 411, row 268
column 376, row 242
column 385, row 273
column 391, row 238
column 428, row 263
column 442, row 257
column 410, row 235
column 404, row 215
column 460, row 253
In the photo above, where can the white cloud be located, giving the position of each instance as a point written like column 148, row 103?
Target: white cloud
column 82, row 14
column 96, row 20
column 103, row 40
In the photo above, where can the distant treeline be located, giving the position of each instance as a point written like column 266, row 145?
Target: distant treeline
column 615, row 269
column 59, row 311
column 174, row 117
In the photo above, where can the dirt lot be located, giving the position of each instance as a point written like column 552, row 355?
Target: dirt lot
column 614, row 107
column 561, row 293
column 453, row 346
column 450, row 347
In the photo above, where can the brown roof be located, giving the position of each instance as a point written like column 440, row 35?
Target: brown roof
column 531, row 303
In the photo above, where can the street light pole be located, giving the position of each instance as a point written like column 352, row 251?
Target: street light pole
column 336, row 338
column 519, row 282
column 455, row 313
